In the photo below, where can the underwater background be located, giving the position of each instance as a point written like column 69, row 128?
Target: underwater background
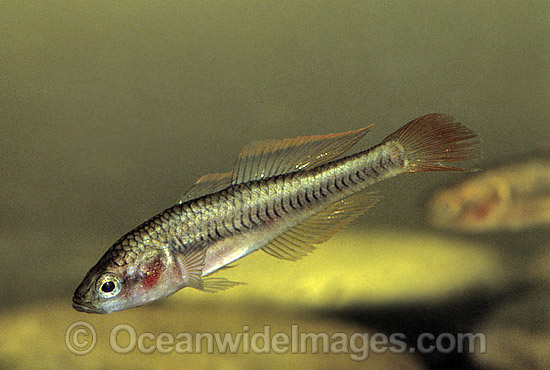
column 110, row 111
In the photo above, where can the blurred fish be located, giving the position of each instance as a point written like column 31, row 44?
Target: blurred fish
column 282, row 197
column 514, row 196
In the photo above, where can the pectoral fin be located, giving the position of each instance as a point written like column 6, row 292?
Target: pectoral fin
column 191, row 259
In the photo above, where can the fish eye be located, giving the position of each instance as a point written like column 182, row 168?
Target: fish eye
column 108, row 285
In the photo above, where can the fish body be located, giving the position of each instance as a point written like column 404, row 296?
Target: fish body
column 283, row 197
column 513, row 195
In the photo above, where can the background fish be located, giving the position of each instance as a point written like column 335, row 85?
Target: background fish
column 513, row 195
column 283, row 196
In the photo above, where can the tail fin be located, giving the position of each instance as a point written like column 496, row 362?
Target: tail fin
column 431, row 140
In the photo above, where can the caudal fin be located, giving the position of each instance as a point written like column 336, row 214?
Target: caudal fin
column 435, row 139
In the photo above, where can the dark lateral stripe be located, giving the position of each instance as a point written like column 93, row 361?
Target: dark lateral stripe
column 216, row 230
column 299, row 201
column 237, row 229
column 381, row 163
column 258, row 215
column 251, row 219
column 314, row 194
column 226, row 229
column 291, row 204
column 373, row 169
column 283, row 205
column 275, row 211
column 268, row 215
column 343, row 182
column 243, row 224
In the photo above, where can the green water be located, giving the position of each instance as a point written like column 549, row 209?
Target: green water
column 109, row 111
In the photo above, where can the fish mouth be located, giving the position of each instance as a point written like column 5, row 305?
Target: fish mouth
column 82, row 307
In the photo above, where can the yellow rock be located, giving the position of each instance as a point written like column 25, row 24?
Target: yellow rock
column 38, row 337
column 363, row 267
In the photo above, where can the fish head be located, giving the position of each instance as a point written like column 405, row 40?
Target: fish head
column 127, row 277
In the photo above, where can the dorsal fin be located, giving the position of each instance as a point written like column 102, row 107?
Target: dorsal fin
column 263, row 159
column 297, row 241
column 207, row 184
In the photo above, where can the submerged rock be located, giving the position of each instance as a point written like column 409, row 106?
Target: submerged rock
column 164, row 336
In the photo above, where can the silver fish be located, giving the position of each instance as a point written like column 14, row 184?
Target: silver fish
column 283, row 197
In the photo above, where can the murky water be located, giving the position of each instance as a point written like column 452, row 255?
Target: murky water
column 109, row 112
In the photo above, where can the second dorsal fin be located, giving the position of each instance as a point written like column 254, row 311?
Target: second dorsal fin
column 269, row 158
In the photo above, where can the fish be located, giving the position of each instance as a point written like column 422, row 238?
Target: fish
column 512, row 195
column 282, row 197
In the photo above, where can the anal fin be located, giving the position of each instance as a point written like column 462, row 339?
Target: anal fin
column 288, row 248
column 297, row 241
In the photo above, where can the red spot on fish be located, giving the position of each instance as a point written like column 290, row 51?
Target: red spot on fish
column 152, row 274
column 486, row 209
column 482, row 211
